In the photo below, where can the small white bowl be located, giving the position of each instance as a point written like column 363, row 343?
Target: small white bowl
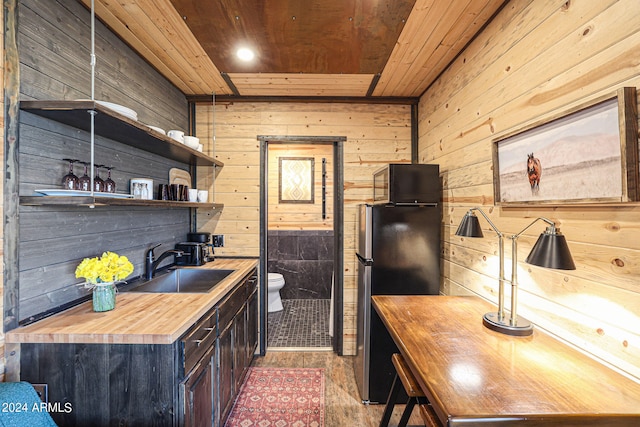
column 191, row 141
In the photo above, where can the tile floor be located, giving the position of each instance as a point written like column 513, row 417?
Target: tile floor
column 304, row 323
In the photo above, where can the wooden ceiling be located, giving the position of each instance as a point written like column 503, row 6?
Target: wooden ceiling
column 294, row 36
column 308, row 48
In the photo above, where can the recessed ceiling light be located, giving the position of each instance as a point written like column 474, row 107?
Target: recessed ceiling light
column 245, row 54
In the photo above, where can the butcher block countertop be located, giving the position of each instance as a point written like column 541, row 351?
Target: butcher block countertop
column 139, row 318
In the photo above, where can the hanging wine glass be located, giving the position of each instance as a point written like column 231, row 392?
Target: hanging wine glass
column 70, row 180
column 109, row 184
column 84, row 183
column 98, row 183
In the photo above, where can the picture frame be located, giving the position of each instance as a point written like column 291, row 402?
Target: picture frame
column 296, row 180
column 586, row 155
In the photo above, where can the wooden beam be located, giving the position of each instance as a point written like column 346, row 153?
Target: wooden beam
column 207, row 99
column 11, row 290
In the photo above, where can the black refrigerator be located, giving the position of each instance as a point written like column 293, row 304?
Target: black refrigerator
column 398, row 254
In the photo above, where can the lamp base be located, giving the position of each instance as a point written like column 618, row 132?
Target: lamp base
column 522, row 328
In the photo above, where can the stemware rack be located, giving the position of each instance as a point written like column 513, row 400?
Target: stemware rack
column 112, row 125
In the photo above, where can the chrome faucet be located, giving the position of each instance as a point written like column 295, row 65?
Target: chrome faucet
column 151, row 263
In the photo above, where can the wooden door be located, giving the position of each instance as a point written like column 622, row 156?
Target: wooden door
column 198, row 393
column 225, row 372
column 239, row 347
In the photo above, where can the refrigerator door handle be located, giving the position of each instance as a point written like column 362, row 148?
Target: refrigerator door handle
column 365, row 261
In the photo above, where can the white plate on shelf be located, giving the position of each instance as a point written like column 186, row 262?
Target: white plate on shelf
column 127, row 112
column 120, row 109
column 157, row 129
column 78, row 193
column 179, row 176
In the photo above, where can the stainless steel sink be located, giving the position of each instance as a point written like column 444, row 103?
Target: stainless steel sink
column 183, row 280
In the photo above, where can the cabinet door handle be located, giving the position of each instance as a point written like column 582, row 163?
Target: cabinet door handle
column 198, row 342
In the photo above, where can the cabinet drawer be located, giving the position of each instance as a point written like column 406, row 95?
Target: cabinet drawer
column 198, row 340
column 230, row 306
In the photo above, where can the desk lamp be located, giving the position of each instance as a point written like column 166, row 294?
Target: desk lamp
column 550, row 251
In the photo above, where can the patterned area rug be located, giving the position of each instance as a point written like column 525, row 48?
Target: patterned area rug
column 280, row 397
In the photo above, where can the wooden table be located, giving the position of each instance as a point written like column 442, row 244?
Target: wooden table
column 474, row 376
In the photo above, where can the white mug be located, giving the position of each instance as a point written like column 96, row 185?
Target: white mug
column 203, row 196
column 193, row 194
column 178, row 135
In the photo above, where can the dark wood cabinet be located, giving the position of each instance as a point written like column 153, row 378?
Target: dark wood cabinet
column 199, row 393
column 225, row 373
column 198, row 351
column 252, row 321
column 107, row 384
column 235, row 350
column 191, row 382
column 239, row 347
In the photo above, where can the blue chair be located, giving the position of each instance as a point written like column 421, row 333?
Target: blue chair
column 21, row 406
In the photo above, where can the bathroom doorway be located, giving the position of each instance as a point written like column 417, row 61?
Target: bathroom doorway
column 301, row 243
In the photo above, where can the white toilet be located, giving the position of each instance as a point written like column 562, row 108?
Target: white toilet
column 274, row 284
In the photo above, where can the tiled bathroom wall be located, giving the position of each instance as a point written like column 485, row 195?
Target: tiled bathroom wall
column 305, row 260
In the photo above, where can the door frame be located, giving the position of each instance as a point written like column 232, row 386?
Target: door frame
column 338, row 230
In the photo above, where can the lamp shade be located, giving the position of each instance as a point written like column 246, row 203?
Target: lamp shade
column 469, row 226
column 551, row 251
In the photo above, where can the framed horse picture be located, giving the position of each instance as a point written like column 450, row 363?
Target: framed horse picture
column 586, row 155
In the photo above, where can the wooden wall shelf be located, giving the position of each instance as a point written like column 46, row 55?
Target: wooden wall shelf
column 113, row 125
column 110, row 201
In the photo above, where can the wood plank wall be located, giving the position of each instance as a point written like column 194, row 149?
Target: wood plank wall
column 376, row 135
column 301, row 216
column 54, row 43
column 537, row 59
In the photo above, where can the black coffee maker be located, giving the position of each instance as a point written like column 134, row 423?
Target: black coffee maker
column 197, row 250
column 193, row 253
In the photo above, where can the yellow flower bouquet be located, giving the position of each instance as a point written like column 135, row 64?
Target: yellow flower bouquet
column 109, row 268
column 101, row 274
